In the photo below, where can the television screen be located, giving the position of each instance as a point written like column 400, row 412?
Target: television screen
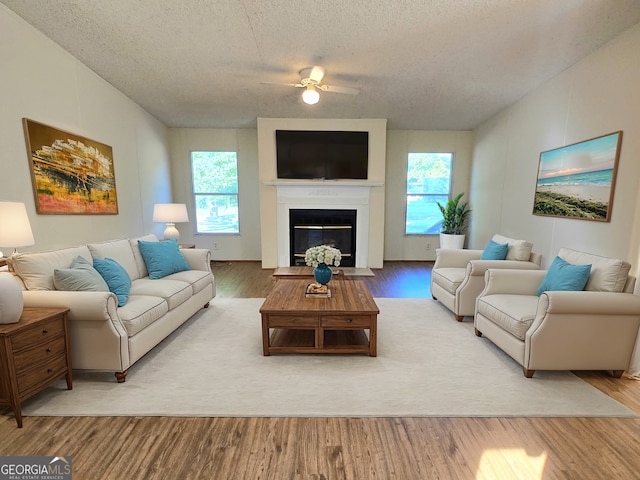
column 328, row 155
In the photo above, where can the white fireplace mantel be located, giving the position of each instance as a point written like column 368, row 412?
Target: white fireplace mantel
column 322, row 183
column 323, row 195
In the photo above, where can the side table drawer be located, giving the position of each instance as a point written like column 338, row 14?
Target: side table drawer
column 345, row 322
column 39, row 333
column 292, row 321
column 39, row 354
column 42, row 375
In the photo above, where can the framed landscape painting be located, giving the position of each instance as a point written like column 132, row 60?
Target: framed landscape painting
column 578, row 181
column 70, row 174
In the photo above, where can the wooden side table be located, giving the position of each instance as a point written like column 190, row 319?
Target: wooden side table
column 34, row 353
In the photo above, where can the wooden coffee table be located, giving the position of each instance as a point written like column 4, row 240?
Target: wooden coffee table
column 293, row 323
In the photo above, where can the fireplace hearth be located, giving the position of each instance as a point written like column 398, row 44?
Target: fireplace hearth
column 312, row 227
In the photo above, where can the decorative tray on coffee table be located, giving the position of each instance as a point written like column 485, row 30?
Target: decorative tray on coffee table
column 315, row 290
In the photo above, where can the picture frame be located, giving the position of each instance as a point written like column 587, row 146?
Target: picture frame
column 578, row 180
column 71, row 174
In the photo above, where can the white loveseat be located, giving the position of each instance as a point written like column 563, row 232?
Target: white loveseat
column 105, row 336
column 457, row 277
column 590, row 329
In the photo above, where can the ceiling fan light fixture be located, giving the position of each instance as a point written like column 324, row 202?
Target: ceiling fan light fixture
column 310, row 96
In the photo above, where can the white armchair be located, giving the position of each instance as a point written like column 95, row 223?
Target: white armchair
column 593, row 329
column 457, row 277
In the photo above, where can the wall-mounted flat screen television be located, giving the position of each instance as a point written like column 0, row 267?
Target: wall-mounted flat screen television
column 327, row 155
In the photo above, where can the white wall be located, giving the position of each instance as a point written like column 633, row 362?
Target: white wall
column 247, row 245
column 43, row 82
column 400, row 143
column 597, row 96
column 183, row 141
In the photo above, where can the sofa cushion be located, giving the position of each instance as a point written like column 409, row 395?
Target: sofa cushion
column 116, row 277
column 563, row 276
column 142, row 267
column 173, row 292
column 512, row 313
column 607, row 274
column 448, row 278
column 79, row 277
column 198, row 279
column 495, row 251
column 517, row 250
column 36, row 269
column 162, row 258
column 120, row 251
column 141, row 311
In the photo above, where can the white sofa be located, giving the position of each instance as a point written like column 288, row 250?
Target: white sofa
column 457, row 277
column 590, row 329
column 104, row 336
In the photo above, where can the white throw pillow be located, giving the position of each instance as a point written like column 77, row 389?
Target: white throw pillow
column 36, row 269
column 607, row 274
column 120, row 251
column 518, row 249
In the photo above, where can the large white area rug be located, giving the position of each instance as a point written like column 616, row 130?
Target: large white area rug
column 428, row 364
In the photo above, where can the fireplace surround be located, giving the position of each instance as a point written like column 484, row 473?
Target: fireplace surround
column 278, row 196
column 323, row 196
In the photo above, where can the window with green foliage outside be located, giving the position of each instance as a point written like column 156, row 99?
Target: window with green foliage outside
column 215, row 191
column 428, row 182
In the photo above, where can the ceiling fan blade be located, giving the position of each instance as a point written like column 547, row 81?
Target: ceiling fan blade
column 316, row 74
column 299, row 85
column 334, row 89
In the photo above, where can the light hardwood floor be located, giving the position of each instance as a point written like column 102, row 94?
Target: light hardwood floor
column 339, row 448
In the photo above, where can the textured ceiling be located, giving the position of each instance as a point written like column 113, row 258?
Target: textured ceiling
column 421, row 64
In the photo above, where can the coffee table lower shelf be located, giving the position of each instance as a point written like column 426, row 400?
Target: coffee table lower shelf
column 285, row 340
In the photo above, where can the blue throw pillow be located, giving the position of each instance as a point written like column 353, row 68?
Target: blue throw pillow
column 564, row 276
column 495, row 251
column 162, row 258
column 116, row 276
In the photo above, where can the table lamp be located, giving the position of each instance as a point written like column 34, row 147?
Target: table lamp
column 170, row 213
column 15, row 229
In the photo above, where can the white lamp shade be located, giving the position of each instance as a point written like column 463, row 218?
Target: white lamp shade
column 15, row 229
column 170, row 213
column 310, row 96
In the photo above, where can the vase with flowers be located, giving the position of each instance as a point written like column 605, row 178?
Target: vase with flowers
column 321, row 258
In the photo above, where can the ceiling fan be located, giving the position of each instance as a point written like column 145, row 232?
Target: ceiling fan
column 310, row 79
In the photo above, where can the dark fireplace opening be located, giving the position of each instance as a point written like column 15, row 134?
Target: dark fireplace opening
column 313, row 227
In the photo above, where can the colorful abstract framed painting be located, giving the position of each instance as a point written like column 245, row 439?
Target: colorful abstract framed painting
column 71, row 175
column 578, row 181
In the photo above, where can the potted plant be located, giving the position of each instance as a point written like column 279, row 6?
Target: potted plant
column 455, row 216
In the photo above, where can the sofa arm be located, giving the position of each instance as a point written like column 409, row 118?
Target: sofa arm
column 514, row 282
column 583, row 331
column 448, row 258
column 197, row 258
column 84, row 306
column 590, row 303
column 479, row 267
column 99, row 340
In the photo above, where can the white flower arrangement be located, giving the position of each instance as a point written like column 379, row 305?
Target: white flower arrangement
column 314, row 256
